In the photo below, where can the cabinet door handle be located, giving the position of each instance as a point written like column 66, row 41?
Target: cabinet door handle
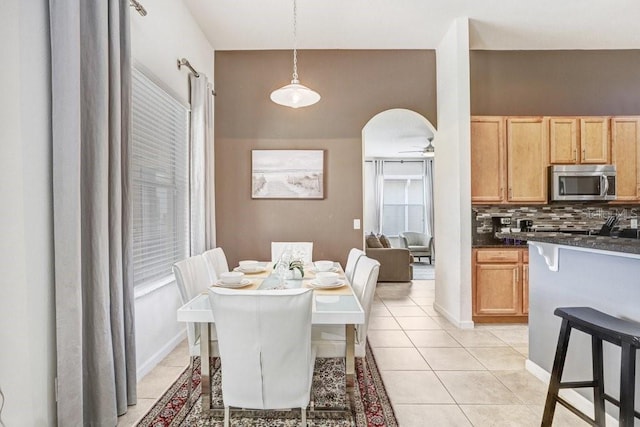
column 510, row 192
column 575, row 155
column 583, row 151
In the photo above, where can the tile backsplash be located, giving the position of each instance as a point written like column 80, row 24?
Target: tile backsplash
column 579, row 216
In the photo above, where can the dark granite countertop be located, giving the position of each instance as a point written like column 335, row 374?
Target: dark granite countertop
column 605, row 243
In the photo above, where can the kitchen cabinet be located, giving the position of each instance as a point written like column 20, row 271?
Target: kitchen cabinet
column 487, row 160
column 563, row 140
column 594, row 140
column 527, row 159
column 625, row 154
column 575, row 140
column 500, row 280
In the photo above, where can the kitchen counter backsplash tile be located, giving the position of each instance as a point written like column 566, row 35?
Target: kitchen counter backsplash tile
column 551, row 217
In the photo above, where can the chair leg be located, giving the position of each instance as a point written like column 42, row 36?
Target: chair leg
column 366, row 379
column 627, row 385
column 227, row 415
column 556, row 374
column 598, row 379
column 303, row 417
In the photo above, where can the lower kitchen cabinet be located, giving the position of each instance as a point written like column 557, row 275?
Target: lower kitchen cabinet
column 500, row 285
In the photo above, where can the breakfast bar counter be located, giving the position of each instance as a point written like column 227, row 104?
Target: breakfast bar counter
column 579, row 271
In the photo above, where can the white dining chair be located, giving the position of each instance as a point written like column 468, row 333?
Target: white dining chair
column 305, row 248
column 330, row 340
column 265, row 348
column 193, row 278
column 352, row 260
column 216, row 262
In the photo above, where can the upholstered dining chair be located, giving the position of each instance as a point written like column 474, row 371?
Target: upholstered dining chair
column 352, row 260
column 265, row 348
column 306, row 248
column 330, row 340
column 419, row 244
column 193, row 277
column 216, row 262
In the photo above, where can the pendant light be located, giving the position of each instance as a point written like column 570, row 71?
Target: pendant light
column 295, row 95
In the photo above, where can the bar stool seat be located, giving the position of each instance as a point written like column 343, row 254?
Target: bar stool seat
column 601, row 327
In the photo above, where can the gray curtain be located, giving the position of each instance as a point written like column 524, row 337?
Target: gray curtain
column 202, row 191
column 91, row 97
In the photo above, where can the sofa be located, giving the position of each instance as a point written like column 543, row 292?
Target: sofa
column 395, row 263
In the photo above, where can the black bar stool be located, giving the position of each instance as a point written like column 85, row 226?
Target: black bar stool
column 600, row 326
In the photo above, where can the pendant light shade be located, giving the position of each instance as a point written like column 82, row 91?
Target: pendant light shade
column 295, row 95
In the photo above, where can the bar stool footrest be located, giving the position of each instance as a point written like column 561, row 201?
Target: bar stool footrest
column 616, row 402
column 577, row 384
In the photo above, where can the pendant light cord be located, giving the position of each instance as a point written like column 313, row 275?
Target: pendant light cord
column 295, row 42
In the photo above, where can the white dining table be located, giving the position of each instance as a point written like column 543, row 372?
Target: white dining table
column 328, row 309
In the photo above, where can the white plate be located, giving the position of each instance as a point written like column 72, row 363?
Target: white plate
column 332, row 270
column 258, row 269
column 242, row 284
column 314, row 284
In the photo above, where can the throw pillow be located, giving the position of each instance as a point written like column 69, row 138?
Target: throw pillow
column 373, row 241
column 384, row 241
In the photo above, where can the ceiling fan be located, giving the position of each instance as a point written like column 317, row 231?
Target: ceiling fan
column 427, row 151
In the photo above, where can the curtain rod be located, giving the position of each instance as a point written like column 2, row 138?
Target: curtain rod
column 186, row 63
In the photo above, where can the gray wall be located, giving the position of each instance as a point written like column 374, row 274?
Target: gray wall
column 585, row 82
column 355, row 86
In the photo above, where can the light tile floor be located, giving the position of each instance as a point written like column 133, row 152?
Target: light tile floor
column 435, row 374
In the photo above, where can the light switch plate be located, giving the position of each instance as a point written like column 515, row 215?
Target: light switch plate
column 356, row 224
column 634, row 223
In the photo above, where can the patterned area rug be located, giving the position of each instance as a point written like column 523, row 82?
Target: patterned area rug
column 370, row 405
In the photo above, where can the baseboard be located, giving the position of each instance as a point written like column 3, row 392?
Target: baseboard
column 465, row 324
column 573, row 397
column 153, row 361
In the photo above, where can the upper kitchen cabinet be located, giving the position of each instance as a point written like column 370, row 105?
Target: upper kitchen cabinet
column 625, row 154
column 574, row 140
column 487, row 159
column 594, row 140
column 563, row 140
column 527, row 143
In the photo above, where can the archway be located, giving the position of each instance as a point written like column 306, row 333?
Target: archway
column 398, row 148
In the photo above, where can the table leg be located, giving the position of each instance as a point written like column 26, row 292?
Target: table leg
column 350, row 359
column 205, row 369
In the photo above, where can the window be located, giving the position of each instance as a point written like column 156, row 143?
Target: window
column 159, row 179
column 403, row 194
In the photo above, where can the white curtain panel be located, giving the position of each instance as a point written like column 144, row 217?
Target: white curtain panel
column 202, row 189
column 91, row 109
column 379, row 193
column 428, row 197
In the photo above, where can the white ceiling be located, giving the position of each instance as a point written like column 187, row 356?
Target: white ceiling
column 418, row 24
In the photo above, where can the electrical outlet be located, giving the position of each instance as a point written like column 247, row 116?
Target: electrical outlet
column 634, row 223
column 356, row 224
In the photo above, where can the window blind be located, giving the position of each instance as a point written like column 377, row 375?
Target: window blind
column 159, row 178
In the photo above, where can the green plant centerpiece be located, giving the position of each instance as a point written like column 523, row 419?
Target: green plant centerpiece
column 289, row 263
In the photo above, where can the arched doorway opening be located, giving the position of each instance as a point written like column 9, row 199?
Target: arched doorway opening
column 399, row 157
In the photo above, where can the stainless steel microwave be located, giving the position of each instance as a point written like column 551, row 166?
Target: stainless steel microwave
column 582, row 182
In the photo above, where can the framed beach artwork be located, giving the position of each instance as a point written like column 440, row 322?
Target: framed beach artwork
column 287, row 174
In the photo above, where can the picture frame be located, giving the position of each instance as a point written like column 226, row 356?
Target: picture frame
column 287, row 174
